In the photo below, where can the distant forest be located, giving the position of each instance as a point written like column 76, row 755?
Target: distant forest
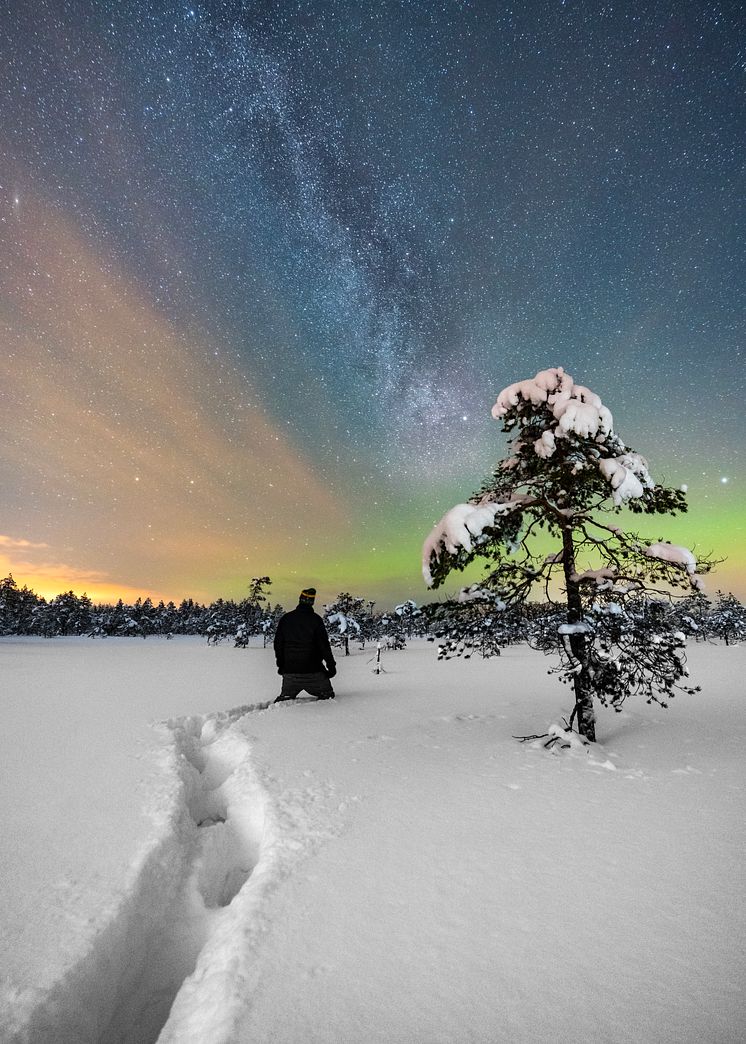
column 23, row 612
column 482, row 626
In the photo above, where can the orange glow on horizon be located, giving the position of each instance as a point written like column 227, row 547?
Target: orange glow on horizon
column 136, row 451
column 48, row 579
column 99, row 592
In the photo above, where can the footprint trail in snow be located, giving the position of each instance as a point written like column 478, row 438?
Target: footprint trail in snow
column 222, row 832
column 179, row 948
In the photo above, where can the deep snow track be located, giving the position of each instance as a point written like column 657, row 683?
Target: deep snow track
column 177, row 959
column 180, row 896
column 251, row 833
column 226, row 809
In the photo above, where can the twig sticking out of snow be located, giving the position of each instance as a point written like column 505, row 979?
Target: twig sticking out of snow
column 557, row 736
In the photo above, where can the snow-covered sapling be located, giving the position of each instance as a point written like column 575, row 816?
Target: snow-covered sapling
column 342, row 620
column 566, row 473
column 727, row 619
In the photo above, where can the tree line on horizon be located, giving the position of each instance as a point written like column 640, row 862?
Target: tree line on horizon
column 348, row 618
column 466, row 625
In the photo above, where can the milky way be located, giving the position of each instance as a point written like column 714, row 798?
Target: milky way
column 265, row 267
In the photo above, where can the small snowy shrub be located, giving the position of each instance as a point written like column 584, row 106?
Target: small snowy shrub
column 475, row 622
column 727, row 619
column 342, row 620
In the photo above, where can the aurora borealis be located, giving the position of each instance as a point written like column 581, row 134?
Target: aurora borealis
column 264, row 267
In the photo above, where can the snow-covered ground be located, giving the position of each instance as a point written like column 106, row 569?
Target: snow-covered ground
column 392, row 866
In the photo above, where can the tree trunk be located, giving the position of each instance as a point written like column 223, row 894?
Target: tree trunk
column 578, row 643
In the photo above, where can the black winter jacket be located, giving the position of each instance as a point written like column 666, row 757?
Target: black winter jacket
column 301, row 643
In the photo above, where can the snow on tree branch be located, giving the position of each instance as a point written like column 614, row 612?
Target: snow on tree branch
column 627, row 475
column 677, row 556
column 672, row 553
column 574, row 407
column 459, row 525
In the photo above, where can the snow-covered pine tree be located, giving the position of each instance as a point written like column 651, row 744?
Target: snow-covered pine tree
column 567, row 472
column 143, row 614
column 369, row 622
column 17, row 607
column 221, row 621
column 252, row 610
column 191, row 617
column 342, row 619
column 391, row 627
column 413, row 621
column 728, row 619
column 167, row 618
column 270, row 618
column 692, row 616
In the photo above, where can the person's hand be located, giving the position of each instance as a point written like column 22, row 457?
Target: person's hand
column 331, row 671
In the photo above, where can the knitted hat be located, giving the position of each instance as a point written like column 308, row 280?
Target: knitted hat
column 308, row 596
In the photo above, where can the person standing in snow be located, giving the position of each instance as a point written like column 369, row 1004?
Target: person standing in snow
column 303, row 653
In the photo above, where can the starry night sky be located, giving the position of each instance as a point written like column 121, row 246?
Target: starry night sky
column 265, row 266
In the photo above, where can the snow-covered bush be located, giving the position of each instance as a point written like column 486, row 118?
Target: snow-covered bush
column 567, row 472
column 691, row 615
column 474, row 622
column 727, row 620
column 342, row 620
column 394, row 627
